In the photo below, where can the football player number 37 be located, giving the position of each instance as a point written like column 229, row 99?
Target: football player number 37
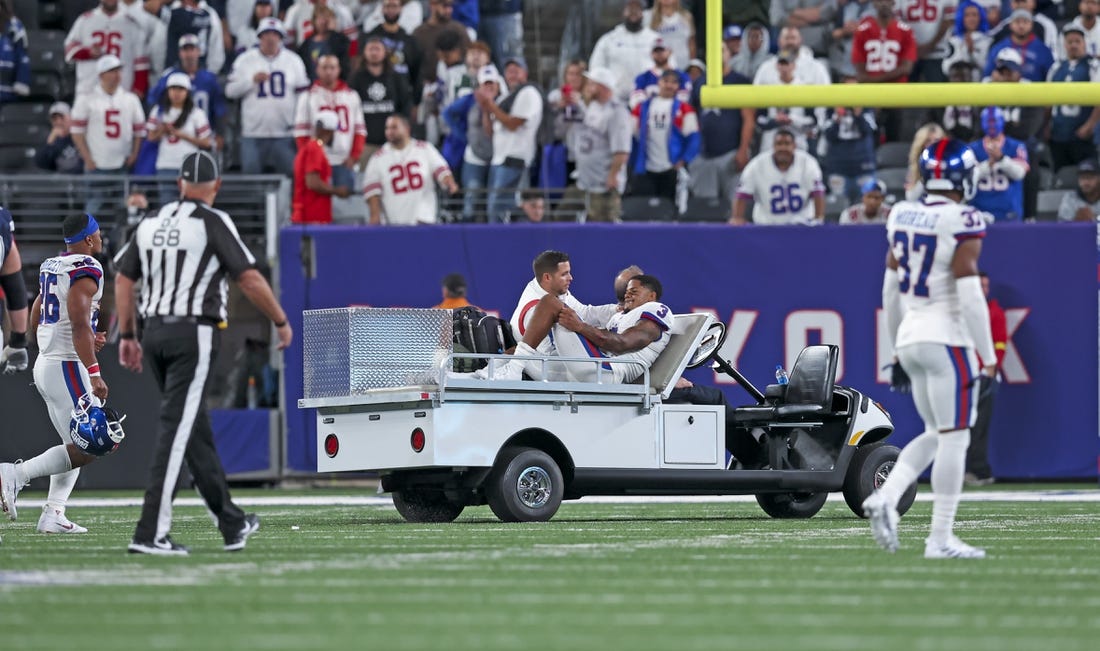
column 905, row 249
column 406, row 177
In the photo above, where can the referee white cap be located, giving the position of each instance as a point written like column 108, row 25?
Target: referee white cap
column 199, row 167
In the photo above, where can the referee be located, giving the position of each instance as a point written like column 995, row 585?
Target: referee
column 183, row 256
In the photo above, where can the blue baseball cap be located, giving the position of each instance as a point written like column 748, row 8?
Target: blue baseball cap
column 874, row 185
column 733, row 31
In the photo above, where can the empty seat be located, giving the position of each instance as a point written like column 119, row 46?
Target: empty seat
column 24, row 113
column 50, row 15
column 16, row 158
column 27, row 11
column 648, row 209
column 713, row 209
column 894, row 178
column 1066, row 178
column 892, row 154
column 25, row 134
column 810, row 387
column 45, row 86
column 46, row 54
column 1048, row 202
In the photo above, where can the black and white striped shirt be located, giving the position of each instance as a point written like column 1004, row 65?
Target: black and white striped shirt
column 183, row 256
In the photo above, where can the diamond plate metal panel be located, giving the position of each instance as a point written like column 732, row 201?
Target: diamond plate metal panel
column 349, row 351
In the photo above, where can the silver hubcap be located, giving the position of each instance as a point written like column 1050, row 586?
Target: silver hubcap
column 534, row 487
column 882, row 472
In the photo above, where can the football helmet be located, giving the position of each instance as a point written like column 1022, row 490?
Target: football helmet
column 993, row 121
column 948, row 165
column 95, row 428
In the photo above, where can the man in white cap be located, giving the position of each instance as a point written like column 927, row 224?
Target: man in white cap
column 267, row 80
column 626, row 49
column 108, row 125
column 314, row 185
column 606, row 134
column 108, row 31
column 59, row 154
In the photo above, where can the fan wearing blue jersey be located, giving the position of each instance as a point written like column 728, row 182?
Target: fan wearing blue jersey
column 1002, row 167
column 937, row 319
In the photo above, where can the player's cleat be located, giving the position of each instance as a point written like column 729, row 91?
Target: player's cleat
column 951, row 548
column 9, row 488
column 163, row 547
column 54, row 521
column 251, row 526
column 884, row 521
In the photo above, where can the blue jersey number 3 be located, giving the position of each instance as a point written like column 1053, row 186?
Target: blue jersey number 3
column 902, row 251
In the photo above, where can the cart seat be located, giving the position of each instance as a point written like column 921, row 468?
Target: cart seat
column 809, row 391
column 685, row 334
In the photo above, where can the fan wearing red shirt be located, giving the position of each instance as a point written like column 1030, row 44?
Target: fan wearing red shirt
column 313, row 189
column 883, row 48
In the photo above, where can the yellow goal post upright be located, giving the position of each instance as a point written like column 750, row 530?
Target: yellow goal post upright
column 716, row 95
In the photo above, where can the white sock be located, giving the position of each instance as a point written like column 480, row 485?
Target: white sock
column 912, row 461
column 522, row 350
column 51, row 462
column 61, row 486
column 947, row 481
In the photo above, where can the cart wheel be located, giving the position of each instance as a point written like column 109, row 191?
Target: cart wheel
column 869, row 468
column 526, row 485
column 791, row 505
column 425, row 505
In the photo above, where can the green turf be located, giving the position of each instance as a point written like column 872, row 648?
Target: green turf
column 607, row 577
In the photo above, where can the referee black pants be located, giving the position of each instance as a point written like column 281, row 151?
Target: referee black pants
column 181, row 355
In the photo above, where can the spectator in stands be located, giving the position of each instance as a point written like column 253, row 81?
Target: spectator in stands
column 1037, row 57
column 299, row 27
column 454, row 292
column 783, row 183
column 466, row 117
column 245, row 33
column 850, row 150
column 532, row 208
column 725, row 137
column 799, row 120
column 807, row 69
column 15, row 65
column 461, row 77
column 405, row 15
column 676, row 28
column 992, row 12
column 382, row 91
column 108, row 125
column 1084, row 204
column 515, row 121
column 401, row 47
column 925, row 136
column 206, row 92
column 931, row 21
column 1073, row 127
column 883, row 48
column 87, row 42
column 314, row 185
column 450, row 69
column 625, row 50
column 567, row 103
column 267, row 80
column 604, row 139
column 731, row 38
column 1044, row 28
column 697, row 70
column 196, row 17
column 325, row 40
column 667, row 131
column 1087, row 11
column 147, row 13
column 810, row 17
column 1002, row 165
column 754, row 51
column 501, row 25
column 427, row 37
column 330, row 93
column 970, row 41
column 1024, row 123
column 181, row 127
column 402, row 178
column 960, row 122
column 978, row 470
column 60, row 153
column 845, row 22
column 872, row 209
column 645, row 84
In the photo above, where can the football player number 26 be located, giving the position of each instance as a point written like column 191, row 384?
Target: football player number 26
column 406, row 177
column 904, row 250
column 51, row 305
column 785, row 199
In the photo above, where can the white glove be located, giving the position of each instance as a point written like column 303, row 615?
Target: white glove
column 13, row 360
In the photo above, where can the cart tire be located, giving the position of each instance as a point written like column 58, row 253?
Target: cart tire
column 525, row 485
column 791, row 505
column 869, row 468
column 425, row 505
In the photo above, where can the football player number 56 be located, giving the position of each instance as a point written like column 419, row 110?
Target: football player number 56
column 406, row 177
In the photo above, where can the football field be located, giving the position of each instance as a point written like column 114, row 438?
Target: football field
column 341, row 571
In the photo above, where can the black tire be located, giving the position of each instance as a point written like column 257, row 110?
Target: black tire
column 425, row 505
column 791, row 505
column 869, row 468
column 526, row 485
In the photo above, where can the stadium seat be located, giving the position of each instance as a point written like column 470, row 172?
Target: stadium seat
column 1046, row 178
column 24, row 113
column 46, row 51
column 16, row 158
column 45, row 86
column 1066, row 178
column 892, row 154
column 699, row 209
column 1048, row 202
column 834, row 205
column 894, row 178
column 71, row 10
column 25, row 134
column 27, row 11
column 648, row 209
column 50, row 15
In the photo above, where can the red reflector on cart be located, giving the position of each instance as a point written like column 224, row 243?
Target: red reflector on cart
column 332, row 445
column 417, row 440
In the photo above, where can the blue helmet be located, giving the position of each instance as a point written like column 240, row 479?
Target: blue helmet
column 949, row 165
column 95, row 429
column 993, row 121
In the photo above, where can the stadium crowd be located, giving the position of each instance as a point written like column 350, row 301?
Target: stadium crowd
column 436, row 95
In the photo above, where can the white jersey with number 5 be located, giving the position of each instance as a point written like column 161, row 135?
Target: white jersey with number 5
column 406, row 179
column 923, row 236
column 781, row 196
column 55, row 328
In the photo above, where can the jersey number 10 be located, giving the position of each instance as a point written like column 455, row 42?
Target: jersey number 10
column 903, row 250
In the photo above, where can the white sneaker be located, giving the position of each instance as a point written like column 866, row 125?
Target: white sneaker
column 54, row 521
column 884, row 521
column 509, row 370
column 951, row 548
column 9, row 488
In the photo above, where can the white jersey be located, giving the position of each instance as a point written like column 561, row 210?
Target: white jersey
column 781, row 196
column 55, row 328
column 676, row 31
column 923, row 236
column 267, row 110
column 406, row 180
column 924, row 17
column 627, row 54
column 342, row 101
column 299, row 21
column 653, row 311
column 174, row 149
column 109, row 124
column 155, row 34
column 119, row 34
